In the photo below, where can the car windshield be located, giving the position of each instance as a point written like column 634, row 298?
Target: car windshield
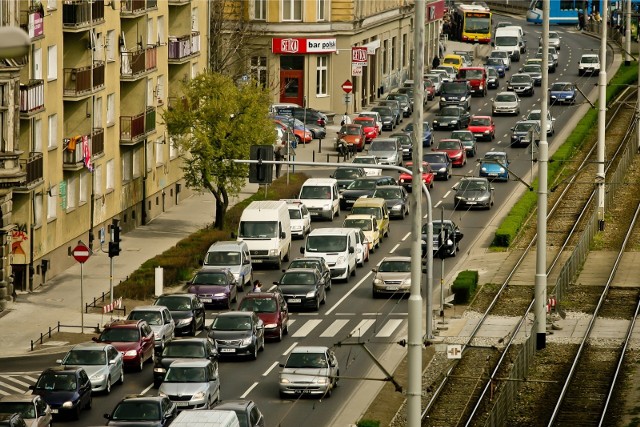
column 462, row 135
column 305, row 263
column 531, row 69
column 437, row 227
column 458, row 88
column 500, row 157
column 213, row 278
column 471, row 74
column 365, row 122
column 365, row 210
column 561, row 86
column 435, row 158
column 326, row 243
column 361, row 223
column 589, row 59
column 449, row 111
column 317, row 192
column 472, row 185
column 85, row 357
column 151, row 317
column 185, row 374
column 306, row 360
column 57, row 381
column 222, row 258
column 499, row 54
column 258, row 305
column 491, row 72
column 523, row 127
column 534, row 115
column 175, row 303
column 298, row 278
column 395, row 267
column 121, row 334
column 480, row 121
column 346, row 173
column 451, row 60
column 231, row 323
column 26, row 409
column 362, row 184
column 382, row 145
column 505, row 97
column 183, row 349
column 520, row 79
column 350, row 130
column 136, row 411
column 295, row 214
column 364, row 160
column 495, row 61
column 448, row 145
column 262, row 229
column 506, row 41
column 389, row 193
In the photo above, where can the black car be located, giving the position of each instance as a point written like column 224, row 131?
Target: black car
column 318, row 263
column 473, row 193
column 362, row 187
column 535, row 71
column 186, row 348
column 346, row 175
column 396, row 199
column 524, row 132
column 451, row 117
column 306, row 115
column 238, row 333
column 66, row 389
column 446, row 238
column 427, row 135
column 187, row 311
column 395, row 108
column 247, row 411
column 387, row 116
column 404, row 95
column 522, row 84
column 406, row 143
column 141, row 410
column 303, row 288
column 440, row 164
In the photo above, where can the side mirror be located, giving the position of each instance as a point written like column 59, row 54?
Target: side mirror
column 512, row 128
column 276, row 283
column 246, row 261
column 351, row 250
column 59, row 361
column 374, row 269
column 302, row 250
column 283, row 235
column 281, row 365
column 233, row 235
column 94, row 339
column 107, row 416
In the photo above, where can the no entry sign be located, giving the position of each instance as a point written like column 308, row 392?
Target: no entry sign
column 81, row 253
column 347, row 86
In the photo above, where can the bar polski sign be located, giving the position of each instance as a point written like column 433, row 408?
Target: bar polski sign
column 301, row 46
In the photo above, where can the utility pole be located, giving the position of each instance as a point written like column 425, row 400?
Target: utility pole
column 627, row 34
column 602, row 115
column 543, row 163
column 638, row 102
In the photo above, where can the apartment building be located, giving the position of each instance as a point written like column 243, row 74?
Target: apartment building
column 303, row 48
column 82, row 134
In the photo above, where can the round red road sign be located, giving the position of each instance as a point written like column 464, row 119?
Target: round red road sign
column 81, row 253
column 347, row 86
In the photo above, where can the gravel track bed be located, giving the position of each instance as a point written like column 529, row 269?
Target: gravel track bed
column 513, row 301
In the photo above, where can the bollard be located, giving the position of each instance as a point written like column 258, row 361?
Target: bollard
column 159, row 281
column 327, row 158
column 313, row 156
column 319, row 145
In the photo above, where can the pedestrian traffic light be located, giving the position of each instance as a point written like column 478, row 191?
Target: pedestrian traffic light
column 261, row 173
column 114, row 244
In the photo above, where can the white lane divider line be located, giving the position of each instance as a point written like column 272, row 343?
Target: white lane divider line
column 406, row 236
column 446, row 194
column 290, row 349
column 146, row 390
column 249, row 390
column 394, row 248
column 388, row 328
column 335, row 327
column 308, row 327
column 352, row 290
column 271, row 368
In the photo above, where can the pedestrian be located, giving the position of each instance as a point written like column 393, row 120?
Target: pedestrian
column 436, row 62
column 345, row 119
column 278, row 157
column 580, row 20
column 257, row 286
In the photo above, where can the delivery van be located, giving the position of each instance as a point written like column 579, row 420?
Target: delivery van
column 321, row 197
column 509, row 39
column 235, row 256
column 338, row 248
column 206, row 418
column 265, row 227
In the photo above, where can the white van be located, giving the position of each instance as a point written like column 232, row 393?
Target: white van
column 265, row 227
column 338, row 248
column 511, row 40
column 206, row 418
column 321, row 197
column 235, row 256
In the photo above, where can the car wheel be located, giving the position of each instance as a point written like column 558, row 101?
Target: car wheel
column 286, row 256
column 329, row 287
column 353, row 272
column 286, row 329
column 141, row 363
column 316, row 306
column 261, row 348
column 107, row 389
column 386, row 233
column 157, row 384
column 324, row 299
column 76, row 413
column 121, row 379
column 329, row 391
column 406, row 210
column 279, row 337
column 89, row 403
column 254, row 355
column 192, row 332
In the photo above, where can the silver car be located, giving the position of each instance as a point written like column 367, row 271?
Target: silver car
column 159, row 319
column 506, row 103
column 554, row 40
column 192, row 384
column 309, row 370
column 537, row 115
column 392, row 276
column 387, row 151
column 102, row 363
column 34, row 410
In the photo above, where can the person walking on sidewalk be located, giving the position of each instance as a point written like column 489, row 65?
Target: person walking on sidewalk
column 436, row 62
column 278, row 156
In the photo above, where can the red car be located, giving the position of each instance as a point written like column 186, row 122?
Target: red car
column 483, row 127
column 272, row 309
column 430, row 89
column 369, row 126
column 353, row 134
column 455, row 150
column 133, row 338
column 428, row 176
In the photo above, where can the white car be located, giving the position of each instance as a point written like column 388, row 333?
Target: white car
column 537, row 115
column 504, row 55
column 589, row 64
column 374, row 115
column 553, row 52
column 506, row 103
column 299, row 217
column 102, row 362
column 444, row 75
column 368, row 160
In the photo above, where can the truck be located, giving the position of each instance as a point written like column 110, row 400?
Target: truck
column 477, row 78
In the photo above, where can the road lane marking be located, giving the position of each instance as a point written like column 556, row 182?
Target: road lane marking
column 335, row 327
column 348, row 293
column 362, row 327
column 10, row 387
column 146, row 390
column 271, row 368
column 388, row 328
column 306, row 328
column 394, row 248
column 446, row 194
column 406, row 236
column 17, row 381
column 249, row 390
column 290, row 349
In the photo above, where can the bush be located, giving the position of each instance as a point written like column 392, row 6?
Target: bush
column 179, row 261
column 464, row 286
column 368, row 423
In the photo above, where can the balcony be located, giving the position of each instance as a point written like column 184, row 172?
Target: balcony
column 135, row 8
column 11, row 173
column 31, row 98
column 134, row 129
column 32, row 21
column 97, row 142
column 33, row 166
column 178, row 2
column 136, row 64
column 84, row 81
column 78, row 15
column 183, row 48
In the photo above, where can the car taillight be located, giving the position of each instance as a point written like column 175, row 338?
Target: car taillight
column 321, row 122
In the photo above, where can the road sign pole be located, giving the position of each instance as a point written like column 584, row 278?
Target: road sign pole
column 111, row 284
column 81, row 299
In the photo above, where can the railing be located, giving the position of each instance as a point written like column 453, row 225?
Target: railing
column 73, row 157
column 97, row 141
column 184, row 46
column 57, row 328
column 138, row 62
column 133, row 128
column 80, row 13
column 102, row 298
column 78, row 81
column 134, row 7
column 32, row 97
column 33, row 166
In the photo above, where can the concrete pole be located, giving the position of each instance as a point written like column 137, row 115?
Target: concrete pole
column 638, row 102
column 627, row 34
column 414, row 342
column 602, row 114
column 543, row 163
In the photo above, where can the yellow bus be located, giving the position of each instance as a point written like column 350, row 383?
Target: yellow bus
column 472, row 23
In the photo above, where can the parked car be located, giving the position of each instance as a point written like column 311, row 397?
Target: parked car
column 345, row 175
column 446, row 238
column 35, row 412
column 238, row 333
column 247, row 411
column 506, row 103
column 187, row 311
column 353, row 134
column 67, row 390
column 427, row 135
column 483, row 127
column 133, row 338
column 272, row 309
column 192, row 384
column 182, row 348
column 214, row 286
column 300, row 130
column 440, row 164
column 396, row 198
column 473, row 193
column 369, row 127
column 159, row 319
column 137, row 409
column 392, row 276
column 367, row 160
column 454, row 149
column 303, row 288
column 102, row 362
column 363, row 187
column 468, row 140
column 309, row 370
column 428, row 176
column 495, row 165
column 562, row 93
column 451, row 117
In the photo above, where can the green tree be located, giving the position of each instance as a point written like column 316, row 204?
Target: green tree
column 217, row 121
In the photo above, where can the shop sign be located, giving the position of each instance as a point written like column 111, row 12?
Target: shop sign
column 301, row 46
column 435, row 11
column 359, row 55
column 356, row 70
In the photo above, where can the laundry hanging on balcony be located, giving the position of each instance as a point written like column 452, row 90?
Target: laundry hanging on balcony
column 71, row 145
column 86, row 153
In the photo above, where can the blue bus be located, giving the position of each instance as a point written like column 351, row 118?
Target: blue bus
column 566, row 11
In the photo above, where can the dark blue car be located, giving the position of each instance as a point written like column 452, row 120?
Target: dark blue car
column 497, row 64
column 426, row 133
column 67, row 390
column 563, row 93
column 440, row 164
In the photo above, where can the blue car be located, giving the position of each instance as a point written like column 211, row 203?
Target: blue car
column 440, row 163
column 497, row 64
column 426, row 133
column 563, row 93
column 494, row 165
column 67, row 390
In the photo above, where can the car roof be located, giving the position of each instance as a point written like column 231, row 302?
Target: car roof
column 228, row 245
column 359, row 216
column 260, row 295
column 123, row 324
column 141, row 398
column 301, row 270
column 234, row 404
column 85, row 346
column 190, row 363
column 382, row 187
column 157, row 308
column 319, row 181
column 473, row 178
column 480, row 117
column 396, row 258
column 499, row 153
column 590, row 55
column 235, row 314
column 64, row 369
column 213, row 269
column 527, row 122
column 185, row 341
column 309, row 349
column 332, row 231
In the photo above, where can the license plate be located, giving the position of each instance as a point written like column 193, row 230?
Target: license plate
column 205, row 299
column 471, row 203
column 315, row 213
column 392, row 288
column 54, row 411
column 493, row 174
column 350, row 201
column 303, row 391
column 182, row 403
column 294, row 300
column 227, row 350
column 477, row 134
column 256, row 261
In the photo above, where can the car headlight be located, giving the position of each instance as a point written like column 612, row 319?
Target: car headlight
column 481, row 87
column 198, row 395
column 357, row 140
column 454, row 121
column 246, row 341
column 406, row 282
column 487, row 131
column 455, row 156
column 296, row 227
column 483, row 169
column 442, row 169
column 377, row 281
column 284, row 381
column 274, row 252
column 162, row 394
column 183, row 322
column 98, row 377
column 271, row 325
column 159, row 370
column 502, row 170
column 341, row 260
column 67, row 404
column 326, row 207
column 463, row 99
column 311, row 294
column 321, row 380
column 131, row 353
column 219, row 294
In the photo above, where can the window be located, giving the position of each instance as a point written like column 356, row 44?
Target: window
column 321, row 10
column 97, row 181
column 97, row 113
column 51, row 204
column 567, row 5
column 160, row 89
column 110, row 175
column 194, row 70
column 292, row 10
column 111, row 109
column 37, row 136
column 37, row 63
column 37, row 210
column 149, row 158
column 98, row 42
column 159, row 151
column 150, row 100
column 173, row 149
column 111, row 45
column 126, row 166
column 405, row 46
column 161, row 37
column 52, row 62
column 259, row 69
column 259, row 10
column 194, row 19
column 83, row 193
column 71, row 193
column 393, row 53
column 322, row 75
column 385, row 56
column 135, row 163
column 51, row 4
column 53, row 131
column 150, row 33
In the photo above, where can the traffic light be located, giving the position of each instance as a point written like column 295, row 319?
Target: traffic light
column 260, row 173
column 114, row 244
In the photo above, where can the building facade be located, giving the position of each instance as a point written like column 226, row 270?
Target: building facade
column 83, row 140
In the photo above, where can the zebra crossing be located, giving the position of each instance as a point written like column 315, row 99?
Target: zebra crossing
column 17, row 383
column 353, row 327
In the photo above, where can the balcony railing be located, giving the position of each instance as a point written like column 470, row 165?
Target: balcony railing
column 97, row 142
column 32, row 21
column 84, row 80
column 134, row 128
column 80, row 13
column 72, row 156
column 34, row 168
column 184, row 46
column 31, row 97
column 139, row 62
column 136, row 7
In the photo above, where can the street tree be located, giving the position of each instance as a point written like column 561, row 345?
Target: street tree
column 214, row 122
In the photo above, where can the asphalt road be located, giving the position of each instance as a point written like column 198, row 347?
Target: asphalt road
column 350, row 314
